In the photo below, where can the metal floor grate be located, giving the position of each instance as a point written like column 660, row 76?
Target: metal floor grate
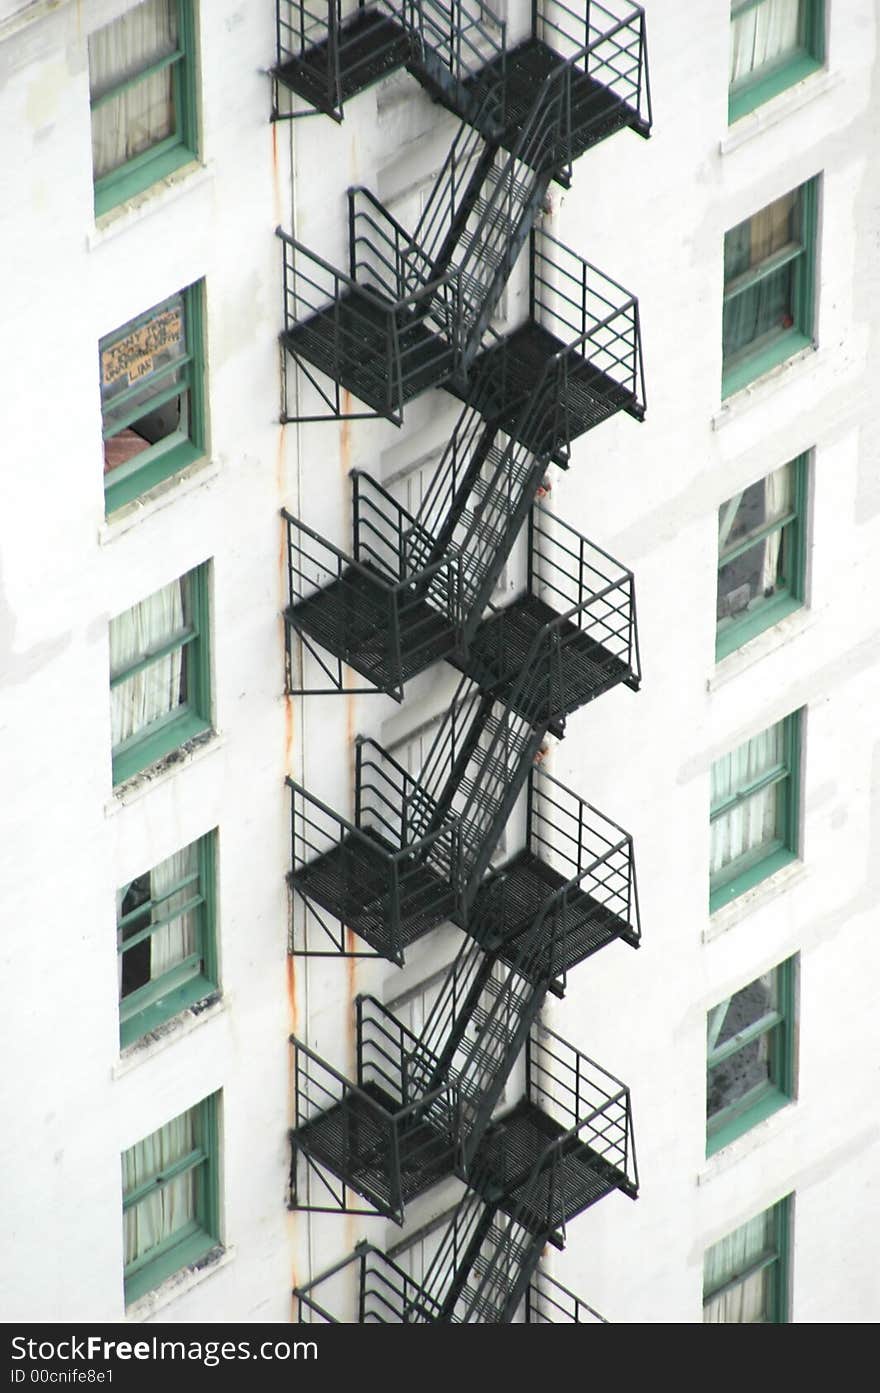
column 596, row 112
column 351, row 618
column 502, row 645
column 576, row 1180
column 351, row 1142
column 351, row 342
column 567, row 937
column 509, row 370
column 370, row 47
column 351, row 883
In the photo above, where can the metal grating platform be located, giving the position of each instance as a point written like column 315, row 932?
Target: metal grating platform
column 574, row 1181
column 596, row 112
column 351, row 342
column 352, row 619
column 509, row 370
column 503, row 645
column 370, row 47
column 568, row 937
column 352, row 883
column 353, row 1142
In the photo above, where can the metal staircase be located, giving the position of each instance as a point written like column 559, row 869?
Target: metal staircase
column 414, row 309
column 567, row 1144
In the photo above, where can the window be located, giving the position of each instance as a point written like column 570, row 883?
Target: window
column 768, row 287
column 745, row 1278
column 142, row 79
column 749, row 1056
column 159, row 674
column 761, row 555
column 165, row 939
column 170, row 1198
column 773, row 44
column 152, row 396
column 754, row 813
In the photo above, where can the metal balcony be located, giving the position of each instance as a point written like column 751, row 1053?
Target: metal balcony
column 570, row 892
column 566, row 1146
column 380, row 1137
column 328, row 52
column 380, row 875
column 603, row 50
column 577, row 617
column 368, row 610
column 581, row 340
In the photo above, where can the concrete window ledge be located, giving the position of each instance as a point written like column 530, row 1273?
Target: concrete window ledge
column 197, row 475
column 178, row 1285
column 763, row 644
column 158, row 196
column 763, row 387
column 141, row 783
column 166, row 1034
column 753, row 900
column 759, row 1135
column 769, row 114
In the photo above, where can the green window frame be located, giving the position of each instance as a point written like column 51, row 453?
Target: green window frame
column 170, row 1198
column 784, row 67
column 166, row 939
column 746, row 1274
column 152, row 396
column 755, row 810
column 175, row 664
column 173, row 64
column 769, row 287
column 749, row 1056
column 761, row 555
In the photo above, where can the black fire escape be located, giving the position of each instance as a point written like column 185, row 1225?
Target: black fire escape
column 413, row 310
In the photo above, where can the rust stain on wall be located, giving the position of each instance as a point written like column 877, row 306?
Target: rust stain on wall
column 276, row 185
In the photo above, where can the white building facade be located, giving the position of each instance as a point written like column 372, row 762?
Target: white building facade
column 182, row 689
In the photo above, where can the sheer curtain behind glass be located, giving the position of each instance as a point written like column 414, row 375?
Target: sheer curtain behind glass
column 143, row 114
column 178, row 939
column 753, row 822
column 759, row 306
column 746, row 1302
column 168, row 1208
column 160, row 686
column 762, row 36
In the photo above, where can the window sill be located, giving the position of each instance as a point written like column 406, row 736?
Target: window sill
column 165, row 1033
column 749, row 877
column 199, row 474
column 158, row 196
column 769, row 114
column 753, row 650
column 762, row 387
column 751, row 900
column 163, row 769
column 762, row 362
column 761, row 1124
column 179, row 1283
column 159, row 744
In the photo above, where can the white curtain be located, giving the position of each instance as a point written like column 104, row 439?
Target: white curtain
column 143, row 114
column 745, row 1302
column 177, row 940
column 761, row 36
column 754, row 821
column 157, row 689
column 169, row 1207
column 780, row 496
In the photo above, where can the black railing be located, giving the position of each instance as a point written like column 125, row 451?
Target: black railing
column 364, row 608
column 383, row 351
column 586, row 1101
column 548, row 1302
column 378, row 875
column 607, row 42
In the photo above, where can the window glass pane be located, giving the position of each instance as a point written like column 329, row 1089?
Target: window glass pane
column 171, row 944
column 762, row 37
column 752, row 1064
column 170, row 1207
column 745, row 1304
column 739, row 1251
column 767, row 307
column 158, row 688
column 143, row 113
column 140, row 368
column 750, row 761
column 756, row 575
